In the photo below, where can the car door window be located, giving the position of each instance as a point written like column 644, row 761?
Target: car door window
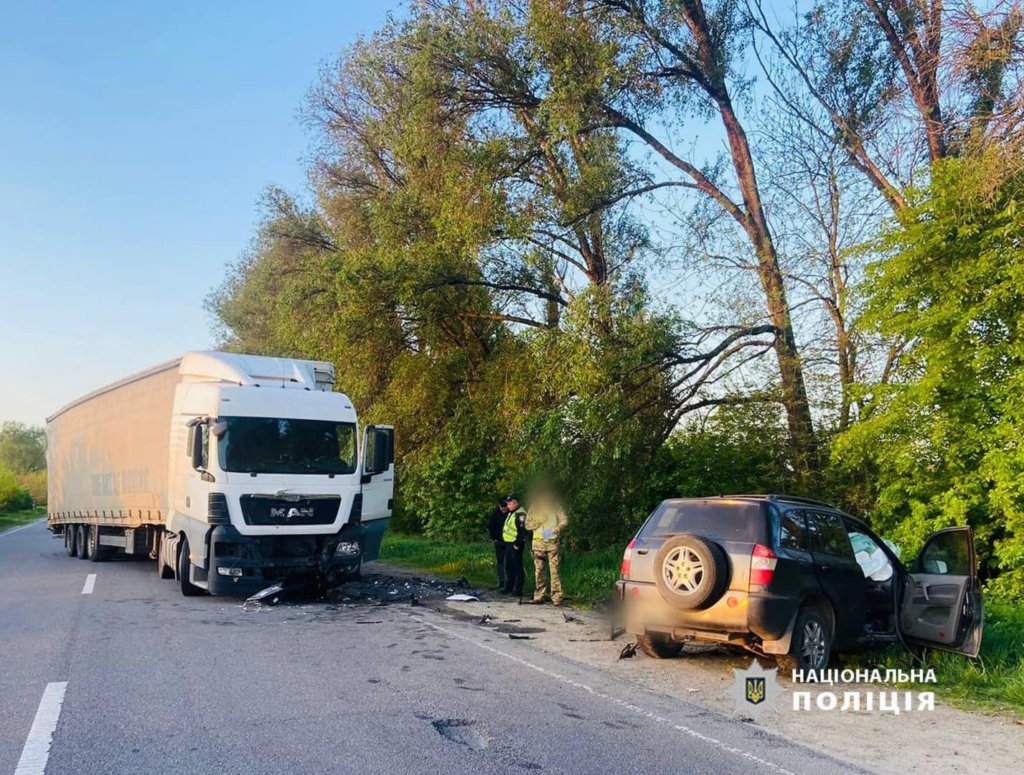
column 828, row 535
column 946, row 554
column 869, row 554
column 793, row 531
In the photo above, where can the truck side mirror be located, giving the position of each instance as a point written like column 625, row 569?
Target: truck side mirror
column 198, row 447
column 380, row 450
column 383, row 454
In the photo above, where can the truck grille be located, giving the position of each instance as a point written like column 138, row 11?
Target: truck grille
column 258, row 510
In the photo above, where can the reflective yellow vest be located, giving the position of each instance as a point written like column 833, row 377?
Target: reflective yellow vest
column 510, row 532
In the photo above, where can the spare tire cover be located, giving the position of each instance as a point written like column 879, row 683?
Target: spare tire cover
column 691, row 572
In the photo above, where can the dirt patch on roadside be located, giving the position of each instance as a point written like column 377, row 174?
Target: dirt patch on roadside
column 945, row 741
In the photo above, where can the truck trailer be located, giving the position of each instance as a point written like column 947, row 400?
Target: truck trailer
column 234, row 472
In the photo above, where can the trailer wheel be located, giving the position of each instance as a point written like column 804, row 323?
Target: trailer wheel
column 69, row 541
column 81, row 547
column 96, row 552
column 188, row 589
column 163, row 570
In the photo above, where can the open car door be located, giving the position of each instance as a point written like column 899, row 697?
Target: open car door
column 941, row 605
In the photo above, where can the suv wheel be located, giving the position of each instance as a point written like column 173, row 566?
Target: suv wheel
column 691, row 572
column 659, row 646
column 811, row 646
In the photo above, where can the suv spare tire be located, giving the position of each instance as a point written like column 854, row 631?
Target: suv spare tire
column 691, row 572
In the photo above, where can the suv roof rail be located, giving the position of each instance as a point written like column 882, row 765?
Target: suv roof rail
column 789, row 498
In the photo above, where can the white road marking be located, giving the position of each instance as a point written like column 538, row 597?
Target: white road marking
column 90, row 582
column 621, row 703
column 23, row 527
column 40, row 737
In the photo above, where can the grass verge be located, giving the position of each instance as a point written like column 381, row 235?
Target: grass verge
column 585, row 578
column 9, row 519
column 993, row 681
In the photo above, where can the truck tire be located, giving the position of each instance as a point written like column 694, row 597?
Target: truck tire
column 163, row 570
column 691, row 572
column 81, row 547
column 188, row 589
column 96, row 552
column 69, row 541
column 659, row 646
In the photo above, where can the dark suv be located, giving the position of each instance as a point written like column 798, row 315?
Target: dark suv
column 779, row 575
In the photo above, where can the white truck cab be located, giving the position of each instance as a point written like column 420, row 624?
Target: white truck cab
column 249, row 471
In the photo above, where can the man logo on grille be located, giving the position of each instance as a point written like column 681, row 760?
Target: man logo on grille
column 291, row 513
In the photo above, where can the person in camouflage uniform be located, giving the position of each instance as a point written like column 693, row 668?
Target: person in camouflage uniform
column 547, row 519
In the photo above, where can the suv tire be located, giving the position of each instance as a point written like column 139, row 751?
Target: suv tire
column 811, row 646
column 659, row 646
column 691, row 572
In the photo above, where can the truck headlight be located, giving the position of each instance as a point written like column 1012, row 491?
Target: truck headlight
column 346, row 549
column 235, row 572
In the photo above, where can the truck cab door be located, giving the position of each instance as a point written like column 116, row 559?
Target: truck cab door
column 377, row 469
column 941, row 606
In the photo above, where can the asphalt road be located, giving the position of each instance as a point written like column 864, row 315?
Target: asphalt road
column 154, row 682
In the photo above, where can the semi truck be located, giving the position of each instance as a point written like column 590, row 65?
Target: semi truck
column 234, row 472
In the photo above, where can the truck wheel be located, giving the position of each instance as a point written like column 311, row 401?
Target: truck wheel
column 69, row 541
column 95, row 551
column 658, row 646
column 163, row 570
column 811, row 646
column 188, row 589
column 81, row 548
column 691, row 572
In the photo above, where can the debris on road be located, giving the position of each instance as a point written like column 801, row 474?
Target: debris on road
column 462, row 598
column 272, row 592
column 628, row 651
column 519, row 636
column 568, row 617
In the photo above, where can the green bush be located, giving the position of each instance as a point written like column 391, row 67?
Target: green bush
column 35, row 483
column 13, row 496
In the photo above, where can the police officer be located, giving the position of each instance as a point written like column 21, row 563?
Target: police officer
column 515, row 536
column 547, row 519
column 495, row 524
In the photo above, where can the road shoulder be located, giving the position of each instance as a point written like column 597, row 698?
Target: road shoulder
column 944, row 740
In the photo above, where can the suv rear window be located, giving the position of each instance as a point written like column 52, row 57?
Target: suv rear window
column 723, row 520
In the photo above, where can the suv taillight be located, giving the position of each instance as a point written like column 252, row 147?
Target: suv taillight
column 762, row 566
column 627, row 557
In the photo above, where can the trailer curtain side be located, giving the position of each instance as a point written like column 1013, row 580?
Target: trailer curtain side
column 107, row 453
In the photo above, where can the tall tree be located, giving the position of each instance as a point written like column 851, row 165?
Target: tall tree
column 944, row 434
column 22, row 448
column 903, row 84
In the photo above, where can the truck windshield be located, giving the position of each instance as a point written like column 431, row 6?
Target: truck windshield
column 267, row 445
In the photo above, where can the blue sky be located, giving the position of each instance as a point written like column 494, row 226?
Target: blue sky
column 135, row 141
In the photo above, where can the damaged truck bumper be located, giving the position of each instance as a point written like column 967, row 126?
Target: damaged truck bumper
column 243, row 565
